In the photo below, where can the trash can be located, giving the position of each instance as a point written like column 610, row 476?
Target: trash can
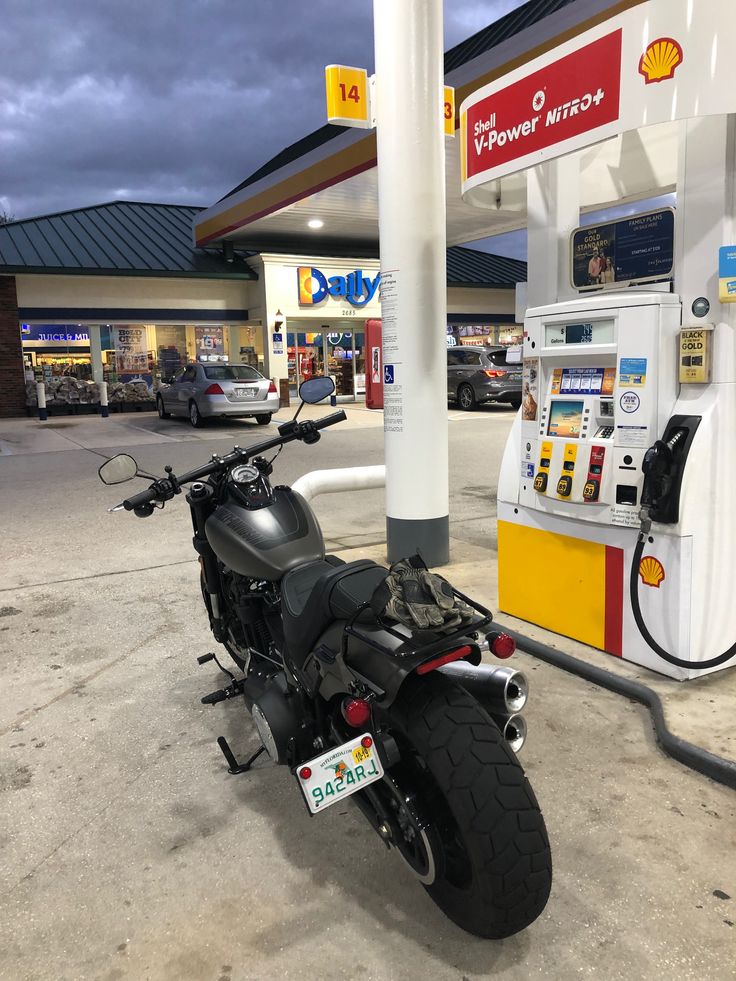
column 284, row 400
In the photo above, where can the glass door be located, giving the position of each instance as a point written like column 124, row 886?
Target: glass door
column 339, row 348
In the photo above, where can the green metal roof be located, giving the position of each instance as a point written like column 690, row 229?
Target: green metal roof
column 501, row 30
column 133, row 239
column 122, row 238
column 505, row 27
column 469, row 267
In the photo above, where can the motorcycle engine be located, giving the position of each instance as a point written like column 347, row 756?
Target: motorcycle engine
column 275, row 719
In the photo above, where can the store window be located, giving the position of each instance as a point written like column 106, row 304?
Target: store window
column 250, row 347
column 483, row 335
column 56, row 351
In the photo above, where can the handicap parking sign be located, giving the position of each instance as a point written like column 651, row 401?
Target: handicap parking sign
column 388, row 374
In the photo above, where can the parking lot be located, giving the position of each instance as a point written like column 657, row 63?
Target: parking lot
column 128, row 852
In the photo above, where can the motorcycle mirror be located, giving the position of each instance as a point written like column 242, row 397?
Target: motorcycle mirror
column 118, row 469
column 315, row 389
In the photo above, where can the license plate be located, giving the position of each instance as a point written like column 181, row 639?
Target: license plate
column 246, row 393
column 339, row 773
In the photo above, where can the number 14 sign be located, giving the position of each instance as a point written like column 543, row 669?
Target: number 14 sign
column 349, row 99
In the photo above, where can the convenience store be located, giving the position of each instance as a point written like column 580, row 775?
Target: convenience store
column 118, row 293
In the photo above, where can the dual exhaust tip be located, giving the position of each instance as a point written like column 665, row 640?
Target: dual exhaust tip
column 503, row 693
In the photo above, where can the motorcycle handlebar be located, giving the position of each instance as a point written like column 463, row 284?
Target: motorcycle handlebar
column 153, row 493
column 147, row 496
column 330, row 420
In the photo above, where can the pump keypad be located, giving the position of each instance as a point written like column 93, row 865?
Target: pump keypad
column 605, row 432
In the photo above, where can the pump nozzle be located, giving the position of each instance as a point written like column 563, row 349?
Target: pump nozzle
column 663, row 467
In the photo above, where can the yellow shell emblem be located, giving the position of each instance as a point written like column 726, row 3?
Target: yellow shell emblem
column 659, row 61
column 651, row 571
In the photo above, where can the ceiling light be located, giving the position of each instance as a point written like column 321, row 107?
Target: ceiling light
column 315, row 223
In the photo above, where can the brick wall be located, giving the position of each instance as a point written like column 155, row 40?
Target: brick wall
column 12, row 384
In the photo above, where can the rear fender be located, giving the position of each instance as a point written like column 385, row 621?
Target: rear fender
column 381, row 671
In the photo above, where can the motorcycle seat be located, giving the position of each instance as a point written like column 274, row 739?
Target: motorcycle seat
column 316, row 594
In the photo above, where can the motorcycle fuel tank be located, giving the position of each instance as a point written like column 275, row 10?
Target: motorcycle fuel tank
column 267, row 542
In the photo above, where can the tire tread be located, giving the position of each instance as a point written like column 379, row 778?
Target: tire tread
column 491, row 801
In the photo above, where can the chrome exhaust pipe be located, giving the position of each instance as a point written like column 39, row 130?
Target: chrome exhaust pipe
column 499, row 690
column 513, row 730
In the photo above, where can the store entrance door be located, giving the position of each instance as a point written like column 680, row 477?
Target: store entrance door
column 339, row 348
column 328, row 351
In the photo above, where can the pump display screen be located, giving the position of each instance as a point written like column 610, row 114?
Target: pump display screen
column 595, row 332
column 565, row 418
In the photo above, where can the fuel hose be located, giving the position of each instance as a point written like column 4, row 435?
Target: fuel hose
column 713, row 662
column 695, row 757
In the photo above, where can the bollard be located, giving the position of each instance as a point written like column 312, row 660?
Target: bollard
column 104, row 411
column 41, row 396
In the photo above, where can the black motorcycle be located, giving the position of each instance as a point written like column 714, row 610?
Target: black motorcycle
column 405, row 721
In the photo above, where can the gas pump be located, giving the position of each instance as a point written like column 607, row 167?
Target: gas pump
column 603, row 532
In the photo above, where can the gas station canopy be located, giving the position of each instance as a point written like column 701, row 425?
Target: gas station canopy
column 331, row 175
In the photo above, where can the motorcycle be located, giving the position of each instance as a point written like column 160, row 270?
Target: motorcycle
column 407, row 722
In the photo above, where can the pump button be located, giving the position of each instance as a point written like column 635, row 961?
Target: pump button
column 540, row 483
column 591, row 489
column 564, row 486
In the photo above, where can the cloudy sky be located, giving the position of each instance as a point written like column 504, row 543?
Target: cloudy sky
column 170, row 100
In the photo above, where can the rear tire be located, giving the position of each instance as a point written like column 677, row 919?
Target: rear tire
column 263, row 419
column 194, row 417
column 515, row 404
column 466, row 398
column 494, row 867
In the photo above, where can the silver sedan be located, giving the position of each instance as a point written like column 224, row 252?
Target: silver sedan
column 202, row 391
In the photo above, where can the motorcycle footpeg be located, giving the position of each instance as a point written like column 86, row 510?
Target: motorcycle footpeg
column 204, row 658
column 222, row 694
column 214, row 697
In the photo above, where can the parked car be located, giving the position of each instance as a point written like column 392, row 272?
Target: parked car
column 482, row 374
column 201, row 391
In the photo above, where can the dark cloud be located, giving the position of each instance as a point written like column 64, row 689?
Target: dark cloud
column 170, row 101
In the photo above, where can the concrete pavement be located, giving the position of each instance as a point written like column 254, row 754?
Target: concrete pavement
column 128, row 852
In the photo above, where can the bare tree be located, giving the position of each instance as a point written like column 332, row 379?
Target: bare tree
column 6, row 217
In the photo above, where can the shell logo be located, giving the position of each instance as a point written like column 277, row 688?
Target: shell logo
column 659, row 61
column 651, row 571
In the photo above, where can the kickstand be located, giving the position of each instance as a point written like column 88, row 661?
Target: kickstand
column 233, row 765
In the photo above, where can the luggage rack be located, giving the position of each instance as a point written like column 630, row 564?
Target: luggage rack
column 433, row 642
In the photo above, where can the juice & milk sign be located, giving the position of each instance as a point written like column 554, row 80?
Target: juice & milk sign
column 573, row 95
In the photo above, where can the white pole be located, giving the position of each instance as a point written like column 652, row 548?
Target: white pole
column 104, row 411
column 411, row 205
column 41, row 398
column 95, row 350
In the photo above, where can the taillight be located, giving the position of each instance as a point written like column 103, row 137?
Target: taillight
column 503, row 645
column 356, row 712
column 272, row 390
column 492, row 373
column 437, row 662
column 214, row 389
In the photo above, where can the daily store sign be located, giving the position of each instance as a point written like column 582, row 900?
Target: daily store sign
column 356, row 287
column 656, row 62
